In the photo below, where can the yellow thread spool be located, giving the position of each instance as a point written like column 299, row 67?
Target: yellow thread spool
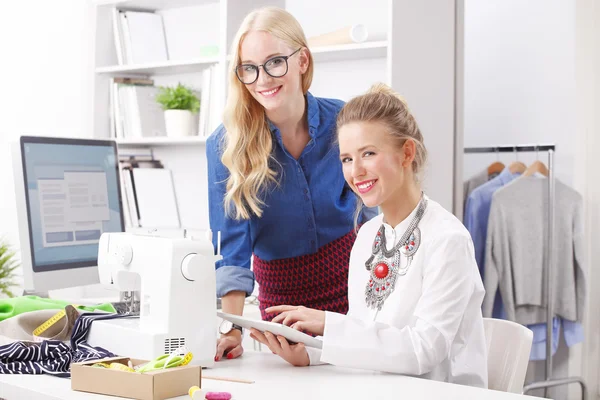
column 195, row 393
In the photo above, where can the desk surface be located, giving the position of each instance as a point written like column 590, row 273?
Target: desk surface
column 274, row 379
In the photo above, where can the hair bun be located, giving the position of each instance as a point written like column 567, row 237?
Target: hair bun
column 382, row 88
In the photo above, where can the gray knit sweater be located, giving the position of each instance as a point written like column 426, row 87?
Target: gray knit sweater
column 516, row 252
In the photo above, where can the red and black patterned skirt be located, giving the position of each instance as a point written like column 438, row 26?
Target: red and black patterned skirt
column 318, row 281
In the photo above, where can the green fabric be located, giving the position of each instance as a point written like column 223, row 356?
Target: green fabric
column 19, row 305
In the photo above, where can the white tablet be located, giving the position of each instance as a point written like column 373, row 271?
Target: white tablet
column 290, row 334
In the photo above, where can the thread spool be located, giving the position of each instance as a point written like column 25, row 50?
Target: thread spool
column 195, row 393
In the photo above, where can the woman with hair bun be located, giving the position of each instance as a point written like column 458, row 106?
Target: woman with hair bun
column 414, row 289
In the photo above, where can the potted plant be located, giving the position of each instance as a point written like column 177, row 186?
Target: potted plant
column 180, row 104
column 8, row 265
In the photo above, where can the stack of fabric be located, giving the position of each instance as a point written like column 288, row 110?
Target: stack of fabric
column 44, row 336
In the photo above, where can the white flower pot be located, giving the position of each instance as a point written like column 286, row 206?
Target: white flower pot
column 179, row 123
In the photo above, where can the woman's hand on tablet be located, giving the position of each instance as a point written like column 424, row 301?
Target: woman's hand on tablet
column 295, row 354
column 300, row 318
column 229, row 345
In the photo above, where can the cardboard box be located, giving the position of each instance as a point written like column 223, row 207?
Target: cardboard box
column 154, row 385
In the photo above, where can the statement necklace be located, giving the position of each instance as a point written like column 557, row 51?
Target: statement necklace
column 384, row 265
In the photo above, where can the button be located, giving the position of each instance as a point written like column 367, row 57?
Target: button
column 312, row 242
column 305, row 191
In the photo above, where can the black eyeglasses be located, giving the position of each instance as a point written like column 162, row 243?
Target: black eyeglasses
column 275, row 67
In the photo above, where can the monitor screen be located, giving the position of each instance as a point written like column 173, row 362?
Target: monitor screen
column 73, row 195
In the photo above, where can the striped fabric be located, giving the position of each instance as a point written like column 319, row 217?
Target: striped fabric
column 53, row 356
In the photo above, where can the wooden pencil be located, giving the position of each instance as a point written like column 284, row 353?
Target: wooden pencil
column 222, row 378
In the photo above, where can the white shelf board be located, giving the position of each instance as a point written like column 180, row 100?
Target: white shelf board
column 162, row 141
column 347, row 52
column 152, row 4
column 162, row 68
column 354, row 51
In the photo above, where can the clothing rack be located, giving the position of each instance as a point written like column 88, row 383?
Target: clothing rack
column 550, row 149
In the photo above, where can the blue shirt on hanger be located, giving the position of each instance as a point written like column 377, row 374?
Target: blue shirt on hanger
column 477, row 213
column 573, row 333
column 311, row 207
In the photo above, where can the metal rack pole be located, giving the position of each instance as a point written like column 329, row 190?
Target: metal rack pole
column 548, row 281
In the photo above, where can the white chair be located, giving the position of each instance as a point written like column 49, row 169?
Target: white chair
column 508, row 346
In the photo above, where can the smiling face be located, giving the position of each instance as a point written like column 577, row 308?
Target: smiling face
column 374, row 165
column 273, row 93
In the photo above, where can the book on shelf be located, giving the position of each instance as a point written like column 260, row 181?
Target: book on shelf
column 139, row 37
column 134, row 111
column 135, row 114
column 210, row 117
column 203, row 118
column 148, row 193
column 156, row 200
column 133, row 81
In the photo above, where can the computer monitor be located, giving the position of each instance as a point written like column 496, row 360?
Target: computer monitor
column 68, row 193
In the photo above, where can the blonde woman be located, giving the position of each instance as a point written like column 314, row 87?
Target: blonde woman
column 276, row 187
column 414, row 289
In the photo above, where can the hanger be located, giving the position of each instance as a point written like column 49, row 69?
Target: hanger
column 497, row 166
column 537, row 166
column 517, row 166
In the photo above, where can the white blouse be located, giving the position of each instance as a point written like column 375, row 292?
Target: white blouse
column 431, row 325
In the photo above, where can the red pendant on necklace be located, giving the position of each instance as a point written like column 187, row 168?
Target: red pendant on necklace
column 381, row 270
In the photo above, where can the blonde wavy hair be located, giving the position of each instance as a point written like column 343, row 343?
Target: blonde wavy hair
column 248, row 141
column 381, row 104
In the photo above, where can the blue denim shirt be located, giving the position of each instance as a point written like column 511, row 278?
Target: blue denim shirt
column 477, row 213
column 312, row 205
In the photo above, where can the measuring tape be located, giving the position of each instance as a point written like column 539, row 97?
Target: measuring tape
column 101, row 365
column 120, row 367
column 51, row 321
column 186, row 359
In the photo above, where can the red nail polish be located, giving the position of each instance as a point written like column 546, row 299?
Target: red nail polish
column 216, row 358
column 229, row 356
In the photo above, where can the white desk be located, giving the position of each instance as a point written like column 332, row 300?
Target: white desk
column 274, row 380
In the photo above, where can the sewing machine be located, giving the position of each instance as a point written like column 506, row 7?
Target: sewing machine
column 174, row 279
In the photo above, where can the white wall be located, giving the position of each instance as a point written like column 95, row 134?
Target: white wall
column 344, row 79
column 587, row 175
column 43, row 78
column 520, row 79
column 519, row 88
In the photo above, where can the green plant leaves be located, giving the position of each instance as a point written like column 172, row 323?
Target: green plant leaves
column 8, row 265
column 178, row 98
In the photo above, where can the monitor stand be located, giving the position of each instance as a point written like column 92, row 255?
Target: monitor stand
column 40, row 293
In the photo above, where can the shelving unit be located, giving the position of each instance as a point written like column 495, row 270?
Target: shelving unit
column 162, row 141
column 342, row 71
column 167, row 68
column 153, row 4
column 349, row 52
